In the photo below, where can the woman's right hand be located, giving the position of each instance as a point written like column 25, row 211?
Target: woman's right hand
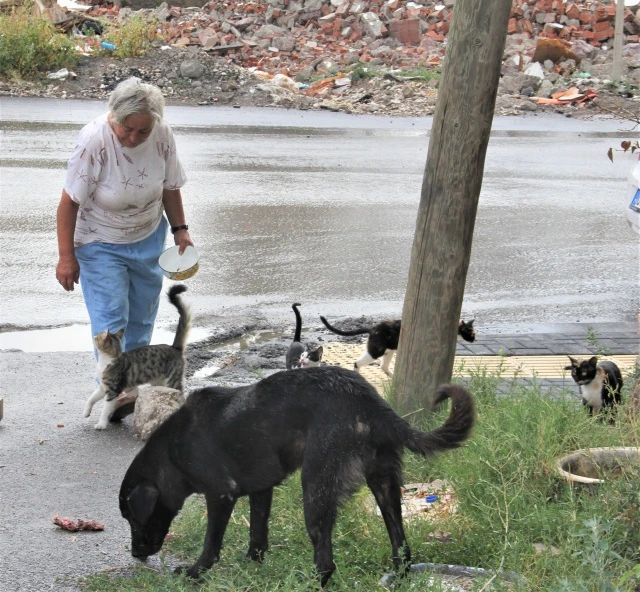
column 68, row 272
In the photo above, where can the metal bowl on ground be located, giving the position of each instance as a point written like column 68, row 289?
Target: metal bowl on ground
column 179, row 267
column 595, row 465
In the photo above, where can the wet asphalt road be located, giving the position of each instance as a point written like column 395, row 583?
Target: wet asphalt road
column 284, row 206
column 320, row 208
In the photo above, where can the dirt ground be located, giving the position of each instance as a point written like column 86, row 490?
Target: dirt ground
column 222, row 82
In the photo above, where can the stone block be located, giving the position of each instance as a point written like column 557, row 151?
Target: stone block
column 153, row 406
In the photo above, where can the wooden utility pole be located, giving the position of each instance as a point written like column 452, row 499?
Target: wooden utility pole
column 449, row 200
column 616, row 73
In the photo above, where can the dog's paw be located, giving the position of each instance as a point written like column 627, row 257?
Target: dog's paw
column 188, row 570
column 87, row 410
column 100, row 426
column 256, row 554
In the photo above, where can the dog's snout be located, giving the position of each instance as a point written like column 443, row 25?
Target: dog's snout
column 140, row 556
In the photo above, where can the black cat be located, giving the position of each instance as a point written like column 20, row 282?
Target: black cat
column 297, row 355
column 600, row 384
column 383, row 340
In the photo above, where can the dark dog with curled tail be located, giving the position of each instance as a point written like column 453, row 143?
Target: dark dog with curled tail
column 231, row 442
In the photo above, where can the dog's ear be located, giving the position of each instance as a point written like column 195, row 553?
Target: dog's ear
column 142, row 500
column 593, row 361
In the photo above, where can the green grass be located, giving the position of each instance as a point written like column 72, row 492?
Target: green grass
column 422, row 73
column 362, row 72
column 509, row 498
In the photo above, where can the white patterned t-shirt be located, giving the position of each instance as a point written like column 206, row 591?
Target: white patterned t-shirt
column 119, row 189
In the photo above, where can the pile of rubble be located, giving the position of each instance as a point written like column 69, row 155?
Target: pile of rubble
column 366, row 56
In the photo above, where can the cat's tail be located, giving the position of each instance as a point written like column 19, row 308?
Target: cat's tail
column 184, row 322
column 294, row 306
column 453, row 432
column 359, row 331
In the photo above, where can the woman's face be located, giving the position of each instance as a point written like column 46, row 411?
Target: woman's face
column 134, row 130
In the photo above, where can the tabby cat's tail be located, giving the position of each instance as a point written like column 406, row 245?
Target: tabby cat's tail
column 184, row 323
column 359, row 331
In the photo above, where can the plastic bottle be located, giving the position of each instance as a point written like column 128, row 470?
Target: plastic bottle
column 106, row 45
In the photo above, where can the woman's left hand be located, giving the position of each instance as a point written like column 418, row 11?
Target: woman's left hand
column 183, row 240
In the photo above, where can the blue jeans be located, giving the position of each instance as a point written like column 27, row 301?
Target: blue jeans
column 121, row 284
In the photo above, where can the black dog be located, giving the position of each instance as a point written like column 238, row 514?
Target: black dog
column 231, row 442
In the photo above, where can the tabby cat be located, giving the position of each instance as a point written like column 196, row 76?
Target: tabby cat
column 600, row 384
column 297, row 355
column 383, row 340
column 160, row 365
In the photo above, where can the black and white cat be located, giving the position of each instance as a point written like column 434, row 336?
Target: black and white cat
column 600, row 384
column 383, row 340
column 298, row 356
column 161, row 365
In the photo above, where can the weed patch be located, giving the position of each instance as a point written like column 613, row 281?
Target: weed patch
column 132, row 39
column 29, row 45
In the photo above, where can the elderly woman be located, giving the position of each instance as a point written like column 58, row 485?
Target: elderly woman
column 122, row 177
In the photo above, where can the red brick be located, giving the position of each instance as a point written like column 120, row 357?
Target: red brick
column 435, row 36
column 601, row 26
column 513, row 26
column 407, row 32
column 601, row 14
column 602, row 35
column 585, row 17
column 572, row 11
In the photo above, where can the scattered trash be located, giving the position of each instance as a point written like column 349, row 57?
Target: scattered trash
column 566, row 97
column 59, row 75
column 420, row 500
column 106, row 45
column 76, row 525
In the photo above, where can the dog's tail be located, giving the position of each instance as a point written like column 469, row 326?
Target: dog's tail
column 184, row 322
column 360, row 331
column 454, row 431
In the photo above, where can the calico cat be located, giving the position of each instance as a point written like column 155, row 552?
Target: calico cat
column 160, row 365
column 383, row 340
column 600, row 384
column 297, row 355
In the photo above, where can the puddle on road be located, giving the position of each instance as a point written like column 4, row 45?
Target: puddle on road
column 245, row 341
column 76, row 338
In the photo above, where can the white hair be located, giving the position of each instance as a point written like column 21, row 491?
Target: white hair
column 133, row 96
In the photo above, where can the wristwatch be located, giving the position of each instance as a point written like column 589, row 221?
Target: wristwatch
column 175, row 229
